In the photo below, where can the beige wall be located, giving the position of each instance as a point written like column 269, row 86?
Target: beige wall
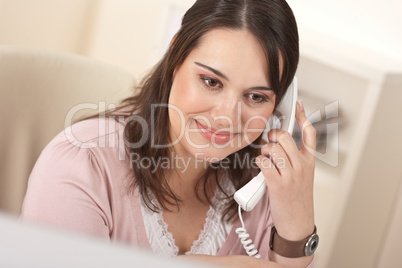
column 390, row 251
column 53, row 24
column 130, row 34
column 133, row 34
column 365, row 23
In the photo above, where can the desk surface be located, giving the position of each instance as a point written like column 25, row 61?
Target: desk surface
column 29, row 245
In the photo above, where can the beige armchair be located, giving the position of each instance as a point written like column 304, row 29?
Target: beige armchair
column 39, row 92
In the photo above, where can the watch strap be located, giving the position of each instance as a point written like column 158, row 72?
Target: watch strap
column 293, row 249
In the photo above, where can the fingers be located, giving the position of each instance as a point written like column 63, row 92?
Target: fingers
column 273, row 159
column 286, row 142
column 308, row 133
column 281, row 152
column 266, row 165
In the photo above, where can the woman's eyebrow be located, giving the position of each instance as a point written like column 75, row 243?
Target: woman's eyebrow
column 218, row 73
column 263, row 88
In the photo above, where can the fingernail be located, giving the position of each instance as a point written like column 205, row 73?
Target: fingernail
column 300, row 105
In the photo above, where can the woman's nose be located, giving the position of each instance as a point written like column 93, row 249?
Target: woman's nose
column 226, row 112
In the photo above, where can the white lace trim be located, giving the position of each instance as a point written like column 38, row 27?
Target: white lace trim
column 211, row 238
column 214, row 233
column 164, row 233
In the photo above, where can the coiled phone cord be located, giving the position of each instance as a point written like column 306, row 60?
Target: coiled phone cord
column 245, row 240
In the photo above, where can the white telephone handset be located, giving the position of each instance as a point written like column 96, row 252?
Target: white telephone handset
column 248, row 196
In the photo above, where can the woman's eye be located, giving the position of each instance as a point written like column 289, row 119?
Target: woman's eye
column 255, row 98
column 211, row 83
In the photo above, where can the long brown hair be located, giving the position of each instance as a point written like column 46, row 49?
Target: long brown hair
column 273, row 24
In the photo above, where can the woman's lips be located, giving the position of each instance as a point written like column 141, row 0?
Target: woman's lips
column 213, row 135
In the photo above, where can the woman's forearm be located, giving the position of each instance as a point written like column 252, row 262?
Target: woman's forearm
column 302, row 262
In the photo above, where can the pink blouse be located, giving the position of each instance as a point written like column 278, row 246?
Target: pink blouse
column 81, row 182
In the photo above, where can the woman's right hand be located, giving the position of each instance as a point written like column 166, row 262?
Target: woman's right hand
column 236, row 261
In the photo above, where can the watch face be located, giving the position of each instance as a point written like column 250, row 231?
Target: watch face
column 311, row 245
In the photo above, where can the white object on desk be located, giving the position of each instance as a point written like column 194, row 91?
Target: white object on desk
column 28, row 245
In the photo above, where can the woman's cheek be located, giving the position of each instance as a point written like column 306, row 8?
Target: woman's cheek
column 189, row 95
column 253, row 127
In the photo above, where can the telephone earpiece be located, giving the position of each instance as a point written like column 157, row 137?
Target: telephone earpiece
column 283, row 116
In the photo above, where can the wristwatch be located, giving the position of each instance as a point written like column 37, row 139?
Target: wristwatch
column 293, row 249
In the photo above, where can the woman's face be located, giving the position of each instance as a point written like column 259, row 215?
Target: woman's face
column 220, row 99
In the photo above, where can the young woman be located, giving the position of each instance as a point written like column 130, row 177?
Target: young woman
column 162, row 172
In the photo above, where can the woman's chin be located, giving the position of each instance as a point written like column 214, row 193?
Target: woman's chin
column 212, row 156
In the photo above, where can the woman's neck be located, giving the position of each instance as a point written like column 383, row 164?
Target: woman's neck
column 186, row 173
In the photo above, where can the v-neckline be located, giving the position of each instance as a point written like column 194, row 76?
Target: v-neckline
column 205, row 232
